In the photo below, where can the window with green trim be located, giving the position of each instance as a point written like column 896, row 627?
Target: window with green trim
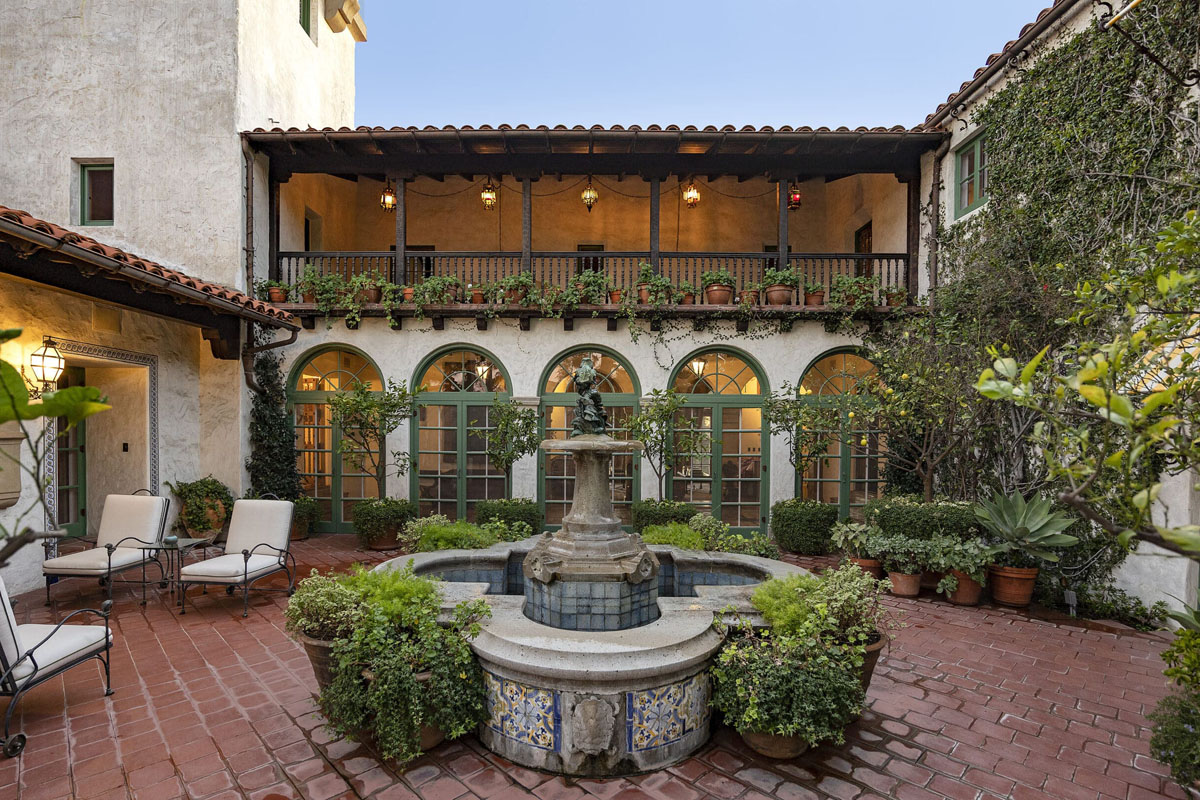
column 96, row 194
column 970, row 175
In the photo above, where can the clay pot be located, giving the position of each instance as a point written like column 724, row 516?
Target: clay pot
column 277, row 294
column 308, row 296
column 299, row 529
column 778, row 294
column 814, row 298
column 895, row 299
column 1012, row 586
column 514, row 296
column 748, row 297
column 718, row 294
column 216, row 521
column 905, row 585
column 643, row 290
column 614, row 297
column 870, row 659
column 320, row 655
column 389, row 541
column 408, row 293
column 968, row 592
column 431, row 736
column 849, row 302
column 477, row 296
column 870, row 566
column 774, row 746
column 372, row 295
column 687, row 299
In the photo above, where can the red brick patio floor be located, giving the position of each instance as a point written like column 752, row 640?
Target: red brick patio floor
column 968, row 703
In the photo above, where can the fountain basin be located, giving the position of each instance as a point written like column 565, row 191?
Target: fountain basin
column 598, row 703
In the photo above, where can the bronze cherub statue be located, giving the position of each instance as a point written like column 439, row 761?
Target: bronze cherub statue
column 590, row 416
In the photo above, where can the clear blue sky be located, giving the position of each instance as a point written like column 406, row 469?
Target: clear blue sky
column 745, row 62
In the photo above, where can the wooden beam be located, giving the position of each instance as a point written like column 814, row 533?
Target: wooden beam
column 400, row 266
column 654, row 222
column 781, row 196
column 526, row 225
column 273, row 229
column 914, row 236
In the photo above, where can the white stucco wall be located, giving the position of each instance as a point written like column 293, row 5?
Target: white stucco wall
column 1153, row 573
column 112, row 470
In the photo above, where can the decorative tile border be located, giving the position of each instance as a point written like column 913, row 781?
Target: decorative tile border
column 664, row 715
column 529, row 715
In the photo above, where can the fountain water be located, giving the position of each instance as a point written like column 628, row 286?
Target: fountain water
column 595, row 657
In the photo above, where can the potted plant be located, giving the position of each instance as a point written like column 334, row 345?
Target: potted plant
column 593, row 287
column 645, row 278
column 305, row 513
column 614, row 297
column 686, row 293
column 779, row 286
column 903, row 558
column 307, row 285
column 851, row 291
column 436, row 290
column 718, row 287
column 379, row 522
column 853, row 539
column 963, row 564
column 814, row 293
column 272, row 291
column 366, row 287
column 322, row 609
column 516, row 287
column 783, row 692
column 749, row 294
column 1022, row 534
column 896, row 295
column 205, row 506
column 407, row 293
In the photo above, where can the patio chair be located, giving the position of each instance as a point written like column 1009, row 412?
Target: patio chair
column 127, row 521
column 33, row 654
column 257, row 546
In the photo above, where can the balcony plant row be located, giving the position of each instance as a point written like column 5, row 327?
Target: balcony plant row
column 779, row 287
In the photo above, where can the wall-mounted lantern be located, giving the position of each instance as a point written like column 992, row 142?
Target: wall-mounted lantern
column 47, row 365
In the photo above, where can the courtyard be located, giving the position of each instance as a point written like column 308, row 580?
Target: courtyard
column 979, row 702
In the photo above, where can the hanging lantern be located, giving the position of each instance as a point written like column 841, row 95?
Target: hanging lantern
column 488, row 195
column 47, row 363
column 698, row 366
column 482, row 368
column 589, row 195
column 794, row 197
column 387, row 200
column 691, row 195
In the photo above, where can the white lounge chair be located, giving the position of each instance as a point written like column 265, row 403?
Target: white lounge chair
column 33, row 654
column 127, row 521
column 257, row 546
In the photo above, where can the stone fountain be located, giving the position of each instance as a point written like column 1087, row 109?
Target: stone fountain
column 595, row 658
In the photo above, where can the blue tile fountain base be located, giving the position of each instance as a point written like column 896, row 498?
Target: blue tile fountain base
column 612, row 605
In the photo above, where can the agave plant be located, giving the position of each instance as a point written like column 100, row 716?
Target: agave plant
column 1033, row 527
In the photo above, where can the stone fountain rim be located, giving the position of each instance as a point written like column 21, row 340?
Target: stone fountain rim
column 593, row 443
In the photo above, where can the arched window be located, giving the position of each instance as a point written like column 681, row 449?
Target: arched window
column 333, row 479
column 721, row 431
column 453, row 472
column 556, row 471
column 851, row 470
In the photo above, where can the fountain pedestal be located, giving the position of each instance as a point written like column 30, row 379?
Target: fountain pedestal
column 591, row 575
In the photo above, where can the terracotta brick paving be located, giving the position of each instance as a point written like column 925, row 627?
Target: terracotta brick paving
column 968, row 703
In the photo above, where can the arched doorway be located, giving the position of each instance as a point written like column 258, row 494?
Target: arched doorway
column 330, row 477
column 851, row 470
column 556, row 471
column 453, row 472
column 722, row 471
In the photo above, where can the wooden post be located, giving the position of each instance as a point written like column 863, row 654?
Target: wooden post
column 526, row 225
column 911, row 282
column 400, row 267
column 273, row 268
column 783, row 224
column 654, row 223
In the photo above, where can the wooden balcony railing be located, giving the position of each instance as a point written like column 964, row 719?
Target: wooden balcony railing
column 558, row 268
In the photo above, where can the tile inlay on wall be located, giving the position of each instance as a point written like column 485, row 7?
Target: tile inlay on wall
column 526, row 714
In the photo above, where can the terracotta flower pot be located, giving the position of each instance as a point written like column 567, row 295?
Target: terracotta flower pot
column 477, row 296
column 309, row 297
column 514, row 296
column 408, row 293
column 389, row 541
column 216, row 521
column 814, row 298
column 905, row 585
column 643, row 290
column 748, row 297
column 774, row 746
column 614, row 296
column 688, row 299
column 849, row 302
column 320, row 655
column 718, row 294
column 277, row 294
column 895, row 299
column 299, row 529
column 1012, row 586
column 968, row 592
column 870, row 566
column 778, row 294
column 372, row 295
column 870, row 659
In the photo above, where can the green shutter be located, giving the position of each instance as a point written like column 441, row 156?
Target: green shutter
column 970, row 175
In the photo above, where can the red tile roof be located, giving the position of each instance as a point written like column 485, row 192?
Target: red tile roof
column 1008, row 50
column 604, row 128
column 152, row 270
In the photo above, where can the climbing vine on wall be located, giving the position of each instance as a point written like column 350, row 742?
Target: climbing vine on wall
column 272, row 461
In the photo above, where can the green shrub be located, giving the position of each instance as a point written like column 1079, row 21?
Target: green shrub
column 454, row 536
column 802, row 526
column 1176, row 737
column 514, row 531
column 676, row 534
column 197, row 499
column 792, row 605
column 913, row 518
column 843, row 605
column 851, row 537
column 1183, row 659
column 324, row 607
column 519, row 509
column 660, row 512
column 377, row 519
column 899, row 553
column 718, row 538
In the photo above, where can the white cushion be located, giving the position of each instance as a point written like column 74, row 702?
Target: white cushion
column 259, row 522
column 67, row 644
column 229, row 568
column 137, row 515
column 8, row 629
column 94, row 561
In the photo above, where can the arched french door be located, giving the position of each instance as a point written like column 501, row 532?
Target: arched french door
column 334, row 479
column 723, row 467
column 850, row 472
column 453, row 472
column 556, row 471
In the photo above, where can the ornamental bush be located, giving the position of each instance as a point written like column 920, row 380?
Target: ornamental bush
column 323, row 607
column 802, row 526
column 675, row 534
column 902, row 554
column 454, row 536
column 519, row 509
column 660, row 512
column 378, row 518
column 1176, row 737
column 911, row 517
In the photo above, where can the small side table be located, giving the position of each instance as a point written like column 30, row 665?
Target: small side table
column 176, row 552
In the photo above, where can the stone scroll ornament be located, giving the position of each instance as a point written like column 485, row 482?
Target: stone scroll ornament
column 590, row 416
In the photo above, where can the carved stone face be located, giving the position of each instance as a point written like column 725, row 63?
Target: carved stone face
column 592, row 725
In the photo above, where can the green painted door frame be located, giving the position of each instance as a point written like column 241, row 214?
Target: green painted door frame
column 337, row 472
column 469, row 452
column 71, row 466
